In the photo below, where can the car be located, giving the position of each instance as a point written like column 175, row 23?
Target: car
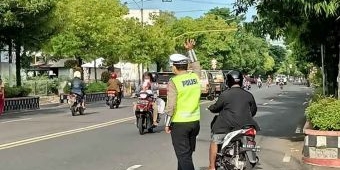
column 217, row 80
column 278, row 77
column 251, row 79
column 163, row 80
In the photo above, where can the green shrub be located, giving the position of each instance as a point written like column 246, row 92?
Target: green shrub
column 67, row 88
column 324, row 114
column 53, row 86
column 90, row 88
column 96, row 87
column 12, row 92
column 105, row 76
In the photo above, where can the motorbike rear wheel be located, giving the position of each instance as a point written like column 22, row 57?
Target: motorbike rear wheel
column 73, row 110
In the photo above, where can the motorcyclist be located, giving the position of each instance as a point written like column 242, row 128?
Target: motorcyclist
column 269, row 81
column 78, row 87
column 259, row 81
column 114, row 85
column 150, row 80
column 236, row 108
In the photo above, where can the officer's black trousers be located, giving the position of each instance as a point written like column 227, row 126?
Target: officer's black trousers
column 184, row 141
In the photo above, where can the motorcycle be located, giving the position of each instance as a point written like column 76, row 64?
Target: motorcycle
column 259, row 84
column 75, row 102
column 247, row 85
column 238, row 150
column 144, row 112
column 281, row 83
column 113, row 99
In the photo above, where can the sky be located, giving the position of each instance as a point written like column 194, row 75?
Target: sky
column 183, row 8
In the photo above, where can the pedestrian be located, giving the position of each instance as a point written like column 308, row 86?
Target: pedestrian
column 183, row 107
column 2, row 96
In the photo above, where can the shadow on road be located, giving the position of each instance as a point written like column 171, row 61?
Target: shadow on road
column 283, row 116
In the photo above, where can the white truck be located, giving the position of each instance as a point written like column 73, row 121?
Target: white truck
column 278, row 77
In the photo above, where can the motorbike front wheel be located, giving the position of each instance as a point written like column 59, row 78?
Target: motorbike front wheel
column 81, row 110
column 140, row 126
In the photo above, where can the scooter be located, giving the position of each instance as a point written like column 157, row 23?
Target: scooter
column 75, row 102
column 144, row 113
column 113, row 99
column 238, row 150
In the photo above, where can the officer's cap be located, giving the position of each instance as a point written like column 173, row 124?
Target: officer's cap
column 178, row 59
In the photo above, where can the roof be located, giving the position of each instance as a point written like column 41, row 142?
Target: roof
column 58, row 64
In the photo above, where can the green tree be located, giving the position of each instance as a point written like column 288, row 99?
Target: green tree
column 88, row 29
column 25, row 26
column 307, row 23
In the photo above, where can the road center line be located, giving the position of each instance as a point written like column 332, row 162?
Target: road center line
column 134, row 167
column 59, row 134
column 64, row 133
column 17, row 120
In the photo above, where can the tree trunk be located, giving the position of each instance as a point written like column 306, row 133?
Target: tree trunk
column 18, row 62
column 95, row 70
column 80, row 62
column 10, row 56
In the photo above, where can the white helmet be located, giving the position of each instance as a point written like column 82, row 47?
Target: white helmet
column 77, row 74
column 178, row 59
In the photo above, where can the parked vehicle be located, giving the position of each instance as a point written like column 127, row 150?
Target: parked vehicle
column 251, row 79
column 207, row 87
column 217, row 81
column 163, row 81
column 278, row 77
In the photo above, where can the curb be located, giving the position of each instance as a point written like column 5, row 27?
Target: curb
column 321, row 148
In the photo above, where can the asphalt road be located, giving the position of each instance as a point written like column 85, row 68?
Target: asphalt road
column 105, row 139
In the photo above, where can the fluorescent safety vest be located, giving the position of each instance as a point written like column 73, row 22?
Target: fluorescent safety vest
column 188, row 98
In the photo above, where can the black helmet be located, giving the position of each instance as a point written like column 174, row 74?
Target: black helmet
column 154, row 76
column 234, row 77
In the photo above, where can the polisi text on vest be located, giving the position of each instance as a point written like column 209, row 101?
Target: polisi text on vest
column 189, row 82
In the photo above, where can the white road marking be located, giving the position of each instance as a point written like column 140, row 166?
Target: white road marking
column 134, row 167
column 271, row 100
column 298, row 130
column 265, row 103
column 59, row 134
column 17, row 120
column 286, row 158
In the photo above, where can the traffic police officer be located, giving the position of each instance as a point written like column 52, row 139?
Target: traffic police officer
column 183, row 107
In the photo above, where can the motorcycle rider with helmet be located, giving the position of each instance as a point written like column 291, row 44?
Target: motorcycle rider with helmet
column 114, row 85
column 150, row 80
column 78, row 87
column 236, row 108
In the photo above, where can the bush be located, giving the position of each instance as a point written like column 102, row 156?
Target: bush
column 324, row 114
column 67, row 88
column 105, row 76
column 96, row 87
column 90, row 88
column 12, row 92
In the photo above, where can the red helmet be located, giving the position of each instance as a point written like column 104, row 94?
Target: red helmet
column 113, row 75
